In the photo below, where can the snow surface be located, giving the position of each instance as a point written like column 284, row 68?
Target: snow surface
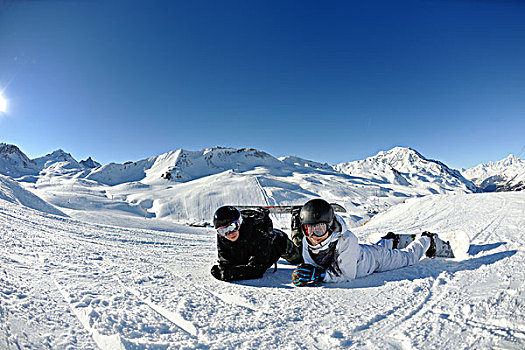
column 96, row 256
column 68, row 283
column 11, row 191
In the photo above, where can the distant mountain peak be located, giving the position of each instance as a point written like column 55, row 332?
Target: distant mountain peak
column 89, row 163
column 58, row 156
column 405, row 165
column 14, row 162
column 400, row 152
column 59, row 153
column 511, row 159
column 507, row 174
column 6, row 148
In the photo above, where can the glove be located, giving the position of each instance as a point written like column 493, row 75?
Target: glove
column 223, row 274
column 307, row 274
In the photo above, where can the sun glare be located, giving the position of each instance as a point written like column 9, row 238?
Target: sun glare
column 3, row 104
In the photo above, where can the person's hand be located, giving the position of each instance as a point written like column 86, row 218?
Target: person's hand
column 305, row 274
column 221, row 273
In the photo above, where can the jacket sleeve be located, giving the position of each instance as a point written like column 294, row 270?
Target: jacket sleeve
column 262, row 252
column 240, row 272
column 347, row 255
column 261, row 258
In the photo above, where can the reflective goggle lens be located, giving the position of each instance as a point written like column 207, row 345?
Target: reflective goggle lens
column 318, row 230
column 230, row 228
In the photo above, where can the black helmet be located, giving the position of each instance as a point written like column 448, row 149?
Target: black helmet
column 316, row 211
column 225, row 215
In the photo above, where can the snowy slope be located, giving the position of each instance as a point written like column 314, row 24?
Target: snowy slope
column 11, row 191
column 66, row 283
column 505, row 175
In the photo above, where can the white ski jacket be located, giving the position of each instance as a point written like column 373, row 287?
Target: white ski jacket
column 353, row 260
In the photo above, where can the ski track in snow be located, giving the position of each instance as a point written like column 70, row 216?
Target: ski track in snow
column 66, row 283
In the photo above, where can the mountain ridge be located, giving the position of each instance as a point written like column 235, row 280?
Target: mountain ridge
column 507, row 174
column 184, row 185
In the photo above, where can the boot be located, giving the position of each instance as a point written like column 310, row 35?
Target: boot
column 393, row 237
column 431, row 252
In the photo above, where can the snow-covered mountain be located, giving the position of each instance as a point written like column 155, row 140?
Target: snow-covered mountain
column 89, row 163
column 14, row 163
column 183, row 166
column 189, row 185
column 507, row 174
column 407, row 167
column 58, row 156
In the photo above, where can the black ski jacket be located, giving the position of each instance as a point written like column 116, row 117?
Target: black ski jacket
column 256, row 249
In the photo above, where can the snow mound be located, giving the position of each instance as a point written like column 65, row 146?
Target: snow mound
column 11, row 191
column 300, row 162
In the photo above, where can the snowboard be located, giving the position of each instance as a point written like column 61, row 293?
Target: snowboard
column 283, row 209
column 450, row 244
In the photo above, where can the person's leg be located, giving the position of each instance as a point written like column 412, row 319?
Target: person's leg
column 388, row 259
column 386, row 243
column 396, row 241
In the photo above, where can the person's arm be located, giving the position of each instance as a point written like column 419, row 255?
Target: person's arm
column 297, row 234
column 259, row 261
column 239, row 272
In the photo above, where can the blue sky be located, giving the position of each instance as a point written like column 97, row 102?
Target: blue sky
column 330, row 81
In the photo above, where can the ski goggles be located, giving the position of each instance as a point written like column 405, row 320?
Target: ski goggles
column 318, row 230
column 230, row 228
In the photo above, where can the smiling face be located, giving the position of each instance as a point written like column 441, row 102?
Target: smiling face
column 232, row 236
column 315, row 240
column 316, row 233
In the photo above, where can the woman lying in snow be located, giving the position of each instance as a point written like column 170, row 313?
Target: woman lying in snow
column 331, row 252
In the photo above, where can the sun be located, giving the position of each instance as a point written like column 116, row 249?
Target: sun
column 3, row 104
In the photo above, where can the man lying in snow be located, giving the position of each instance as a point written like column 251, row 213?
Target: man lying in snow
column 248, row 245
column 331, row 252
